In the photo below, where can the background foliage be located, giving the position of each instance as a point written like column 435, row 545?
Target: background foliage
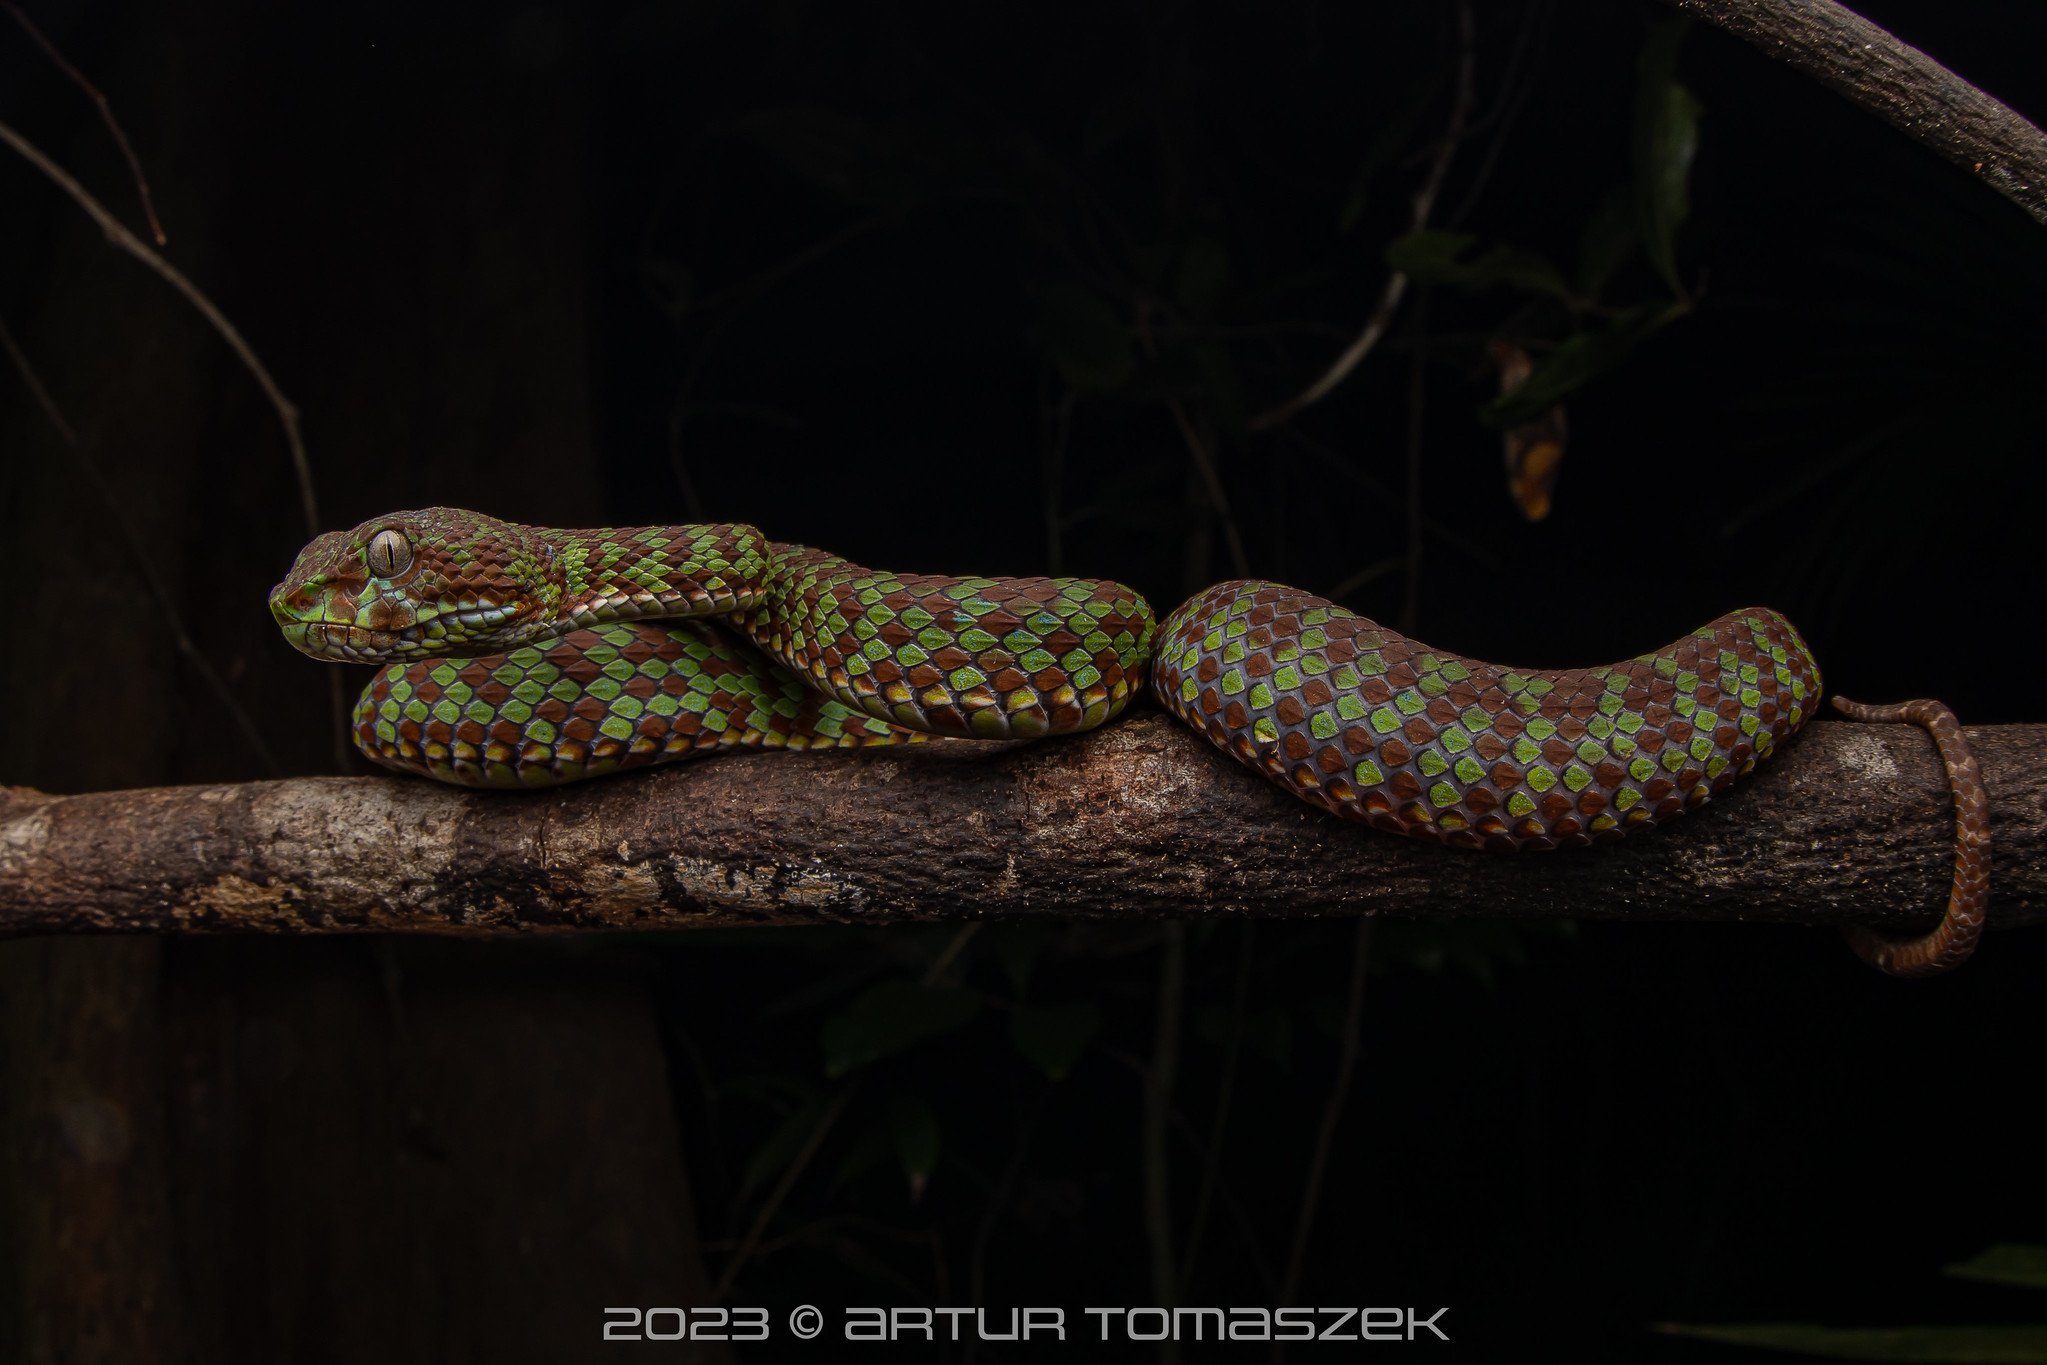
column 1011, row 290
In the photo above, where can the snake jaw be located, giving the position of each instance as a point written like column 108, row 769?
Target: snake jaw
column 386, row 631
column 338, row 642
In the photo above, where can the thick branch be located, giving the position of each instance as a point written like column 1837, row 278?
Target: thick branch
column 1141, row 819
column 1901, row 84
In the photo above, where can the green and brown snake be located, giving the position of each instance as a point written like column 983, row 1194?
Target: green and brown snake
column 517, row 656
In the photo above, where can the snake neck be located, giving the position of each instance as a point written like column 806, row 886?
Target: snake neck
column 636, row 572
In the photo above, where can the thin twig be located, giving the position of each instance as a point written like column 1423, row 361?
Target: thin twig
column 1424, row 204
column 1191, row 1137
column 1516, row 83
column 165, row 603
column 116, row 233
column 1212, row 482
column 34, row 382
column 1158, row 1109
column 287, row 411
column 1417, row 393
column 1365, row 577
column 791, row 1173
column 998, row 1204
column 1332, row 1112
column 1058, row 417
column 741, row 295
column 106, row 115
column 822, row 1129
column 1200, row 450
column 1225, row 1093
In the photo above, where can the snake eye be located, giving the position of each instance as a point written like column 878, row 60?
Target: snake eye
column 390, row 553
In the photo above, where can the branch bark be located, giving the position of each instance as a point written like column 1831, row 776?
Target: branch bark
column 1897, row 82
column 1139, row 820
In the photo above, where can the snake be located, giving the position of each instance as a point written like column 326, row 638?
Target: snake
column 516, row 656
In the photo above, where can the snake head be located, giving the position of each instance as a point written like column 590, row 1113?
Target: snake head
column 419, row 584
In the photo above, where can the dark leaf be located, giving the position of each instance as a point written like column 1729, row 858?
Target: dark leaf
column 671, row 285
column 844, row 156
column 1017, row 947
column 1086, row 339
column 1989, row 1344
column 1203, row 275
column 780, row 1146
column 867, row 1152
column 915, row 1129
column 1394, row 139
column 885, row 1019
column 1606, row 243
column 2006, row 1263
column 1432, row 256
column 1052, row 1037
column 1666, row 140
column 1581, row 358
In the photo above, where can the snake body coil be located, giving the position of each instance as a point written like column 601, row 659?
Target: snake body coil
column 522, row 657
column 1373, row 726
column 529, row 657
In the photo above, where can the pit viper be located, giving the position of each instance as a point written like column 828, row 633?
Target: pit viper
column 517, row 656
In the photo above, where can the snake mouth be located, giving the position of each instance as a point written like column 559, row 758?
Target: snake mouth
column 451, row 633
column 341, row 643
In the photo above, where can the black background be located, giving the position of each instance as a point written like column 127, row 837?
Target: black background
column 791, row 264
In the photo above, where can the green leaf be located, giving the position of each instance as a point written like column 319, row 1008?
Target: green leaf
column 915, row 1129
column 1394, row 139
column 780, row 1146
column 1481, row 948
column 1262, row 1033
column 844, row 156
column 1988, row 1344
column 2006, row 1263
column 1432, row 256
column 1429, row 255
column 885, row 1019
column 1052, row 1037
column 670, row 284
column 1607, row 241
column 1203, row 275
column 870, row 1149
column 1085, row 339
column 1576, row 362
column 1017, row 946
column 1666, row 141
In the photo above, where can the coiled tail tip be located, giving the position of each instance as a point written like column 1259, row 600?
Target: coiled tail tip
column 1948, row 944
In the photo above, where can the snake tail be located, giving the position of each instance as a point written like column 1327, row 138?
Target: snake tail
column 1948, row 944
column 1359, row 719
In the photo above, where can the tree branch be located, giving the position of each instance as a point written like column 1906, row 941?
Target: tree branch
column 1897, row 82
column 1139, row 820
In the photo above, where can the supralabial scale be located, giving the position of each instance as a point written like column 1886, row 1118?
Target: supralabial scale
column 516, row 656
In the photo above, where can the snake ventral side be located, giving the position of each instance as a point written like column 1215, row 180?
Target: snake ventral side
column 518, row 656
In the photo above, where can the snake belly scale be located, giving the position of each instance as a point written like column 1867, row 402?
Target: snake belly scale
column 517, row 656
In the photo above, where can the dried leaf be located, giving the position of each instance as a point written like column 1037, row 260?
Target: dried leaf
column 1534, row 449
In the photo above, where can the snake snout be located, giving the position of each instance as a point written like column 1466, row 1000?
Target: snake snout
column 318, row 617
